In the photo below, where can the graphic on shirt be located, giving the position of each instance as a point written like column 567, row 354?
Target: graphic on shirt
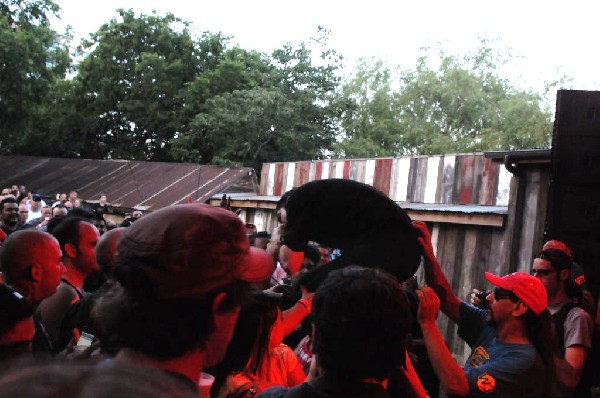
column 480, row 356
column 486, row 383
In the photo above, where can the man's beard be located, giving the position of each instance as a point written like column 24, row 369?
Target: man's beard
column 490, row 318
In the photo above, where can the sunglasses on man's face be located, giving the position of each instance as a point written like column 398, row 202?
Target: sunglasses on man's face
column 500, row 294
column 542, row 272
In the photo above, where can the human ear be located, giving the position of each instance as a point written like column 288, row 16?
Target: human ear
column 520, row 309
column 35, row 272
column 70, row 250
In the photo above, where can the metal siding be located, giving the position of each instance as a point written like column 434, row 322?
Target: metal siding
column 347, row 167
column 369, row 170
column 318, row 170
column 383, row 173
column 431, row 179
column 126, row 183
column 465, row 192
column 488, row 182
column 448, row 180
column 291, row 174
column 270, row 180
column 278, row 179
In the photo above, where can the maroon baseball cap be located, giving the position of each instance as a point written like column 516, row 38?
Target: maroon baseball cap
column 527, row 288
column 187, row 251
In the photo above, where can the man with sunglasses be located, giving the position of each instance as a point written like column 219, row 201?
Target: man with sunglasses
column 572, row 324
column 510, row 355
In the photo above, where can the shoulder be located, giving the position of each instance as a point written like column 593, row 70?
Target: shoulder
column 274, row 392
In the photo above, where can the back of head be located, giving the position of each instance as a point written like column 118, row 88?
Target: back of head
column 19, row 251
column 361, row 319
column 170, row 266
column 106, row 250
column 82, row 379
column 67, row 231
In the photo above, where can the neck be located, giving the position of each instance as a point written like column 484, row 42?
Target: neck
column 512, row 332
column 73, row 275
column 559, row 297
column 189, row 364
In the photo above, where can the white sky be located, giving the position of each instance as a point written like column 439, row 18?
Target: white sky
column 552, row 38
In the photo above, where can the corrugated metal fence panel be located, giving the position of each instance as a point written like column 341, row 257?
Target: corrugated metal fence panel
column 452, row 179
column 126, row 183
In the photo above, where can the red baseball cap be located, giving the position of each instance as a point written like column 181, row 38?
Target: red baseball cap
column 188, row 251
column 558, row 245
column 527, row 288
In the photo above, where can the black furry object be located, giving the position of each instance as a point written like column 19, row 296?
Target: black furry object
column 370, row 229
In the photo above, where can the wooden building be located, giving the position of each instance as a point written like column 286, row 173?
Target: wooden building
column 481, row 215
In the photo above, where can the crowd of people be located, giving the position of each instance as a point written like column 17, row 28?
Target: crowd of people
column 189, row 301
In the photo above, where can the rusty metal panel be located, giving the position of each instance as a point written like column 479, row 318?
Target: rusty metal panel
column 150, row 185
column 383, row 173
column 278, row 181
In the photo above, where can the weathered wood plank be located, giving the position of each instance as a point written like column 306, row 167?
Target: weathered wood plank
column 465, row 189
column 290, row 176
column 489, row 182
column 431, row 179
column 278, row 181
column 383, row 173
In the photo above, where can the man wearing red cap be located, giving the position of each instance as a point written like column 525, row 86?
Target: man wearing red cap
column 573, row 325
column 510, row 356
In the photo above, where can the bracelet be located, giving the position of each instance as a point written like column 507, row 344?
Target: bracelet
column 306, row 303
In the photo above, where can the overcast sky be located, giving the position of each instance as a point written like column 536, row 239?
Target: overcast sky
column 552, row 38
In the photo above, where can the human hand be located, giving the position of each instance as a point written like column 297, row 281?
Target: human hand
column 424, row 239
column 478, row 298
column 429, row 305
column 306, row 295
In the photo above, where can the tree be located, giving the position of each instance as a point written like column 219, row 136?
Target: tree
column 461, row 106
column 131, row 86
column 263, row 109
column 32, row 59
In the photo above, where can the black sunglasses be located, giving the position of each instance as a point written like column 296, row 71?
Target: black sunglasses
column 542, row 272
column 500, row 294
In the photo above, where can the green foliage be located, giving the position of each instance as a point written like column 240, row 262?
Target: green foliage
column 254, row 109
column 131, row 86
column 460, row 106
column 32, row 60
column 147, row 89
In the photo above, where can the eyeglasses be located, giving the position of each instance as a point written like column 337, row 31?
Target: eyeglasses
column 542, row 272
column 500, row 294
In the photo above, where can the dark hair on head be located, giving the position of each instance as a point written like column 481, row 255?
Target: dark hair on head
column 10, row 199
column 263, row 234
column 13, row 307
column 540, row 331
column 312, row 252
column 365, row 309
column 249, row 344
column 67, row 231
column 557, row 257
column 83, row 213
column 78, row 379
column 284, row 199
column 20, row 197
column 161, row 329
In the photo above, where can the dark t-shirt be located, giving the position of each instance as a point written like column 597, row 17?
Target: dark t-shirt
column 322, row 387
column 497, row 369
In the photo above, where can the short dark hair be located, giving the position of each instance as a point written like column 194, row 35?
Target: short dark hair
column 67, row 231
column 161, row 329
column 362, row 319
column 7, row 200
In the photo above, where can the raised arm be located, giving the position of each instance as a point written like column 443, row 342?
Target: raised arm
column 452, row 378
column 434, row 276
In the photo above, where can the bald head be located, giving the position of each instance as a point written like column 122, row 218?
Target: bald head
column 107, row 248
column 31, row 262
